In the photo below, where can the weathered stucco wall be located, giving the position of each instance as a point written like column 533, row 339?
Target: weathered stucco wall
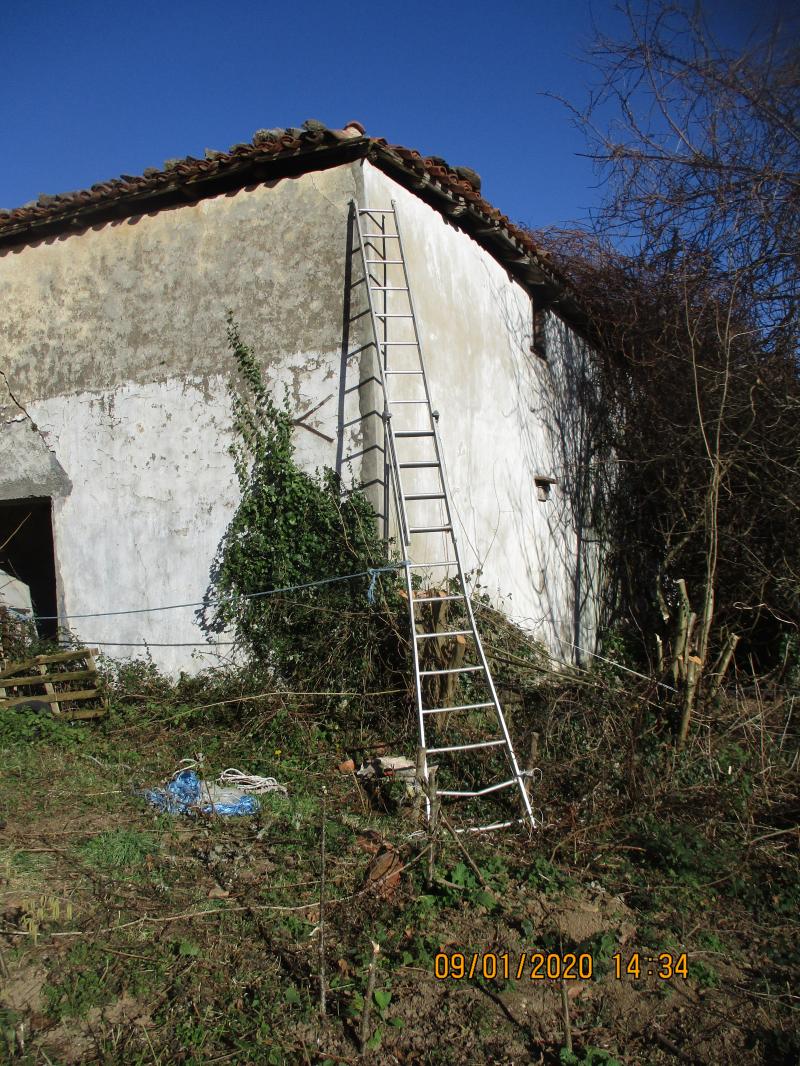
column 114, row 400
column 113, row 346
column 506, row 416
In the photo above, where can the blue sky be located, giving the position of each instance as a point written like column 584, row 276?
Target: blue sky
column 92, row 89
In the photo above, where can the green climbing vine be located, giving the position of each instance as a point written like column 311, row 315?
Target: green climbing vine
column 292, row 528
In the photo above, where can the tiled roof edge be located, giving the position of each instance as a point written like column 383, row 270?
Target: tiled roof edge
column 511, row 245
column 181, row 181
column 281, row 153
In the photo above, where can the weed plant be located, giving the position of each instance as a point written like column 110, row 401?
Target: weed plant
column 293, row 528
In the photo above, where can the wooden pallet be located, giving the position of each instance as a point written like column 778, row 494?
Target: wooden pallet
column 43, row 679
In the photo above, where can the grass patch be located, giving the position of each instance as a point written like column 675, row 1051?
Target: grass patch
column 194, row 938
column 118, row 849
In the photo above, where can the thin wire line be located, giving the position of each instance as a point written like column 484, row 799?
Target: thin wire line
column 203, row 603
column 585, row 651
column 619, row 666
column 153, row 644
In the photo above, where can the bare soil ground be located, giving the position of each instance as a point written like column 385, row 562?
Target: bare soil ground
column 130, row 936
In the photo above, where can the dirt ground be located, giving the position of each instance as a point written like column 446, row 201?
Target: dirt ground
column 131, row 936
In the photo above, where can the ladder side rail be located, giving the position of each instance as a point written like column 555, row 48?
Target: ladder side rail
column 401, row 495
column 383, row 356
column 417, row 683
column 456, row 562
column 418, row 340
column 479, row 643
column 397, row 485
column 380, row 354
column 412, row 307
column 399, row 501
column 454, row 539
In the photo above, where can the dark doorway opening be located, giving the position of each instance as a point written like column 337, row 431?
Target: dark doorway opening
column 26, row 552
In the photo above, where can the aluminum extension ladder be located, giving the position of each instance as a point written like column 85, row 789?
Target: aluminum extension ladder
column 415, row 470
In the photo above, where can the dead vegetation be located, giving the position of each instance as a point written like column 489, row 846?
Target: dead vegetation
column 332, row 928
column 137, row 937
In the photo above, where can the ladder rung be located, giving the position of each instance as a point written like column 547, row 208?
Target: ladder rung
column 467, row 747
column 479, row 792
column 462, row 707
column 445, row 633
column 492, row 825
column 374, row 252
column 451, row 670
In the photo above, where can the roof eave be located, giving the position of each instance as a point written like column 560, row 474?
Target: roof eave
column 251, row 169
column 544, row 284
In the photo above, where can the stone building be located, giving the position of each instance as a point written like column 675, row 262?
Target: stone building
column 116, row 482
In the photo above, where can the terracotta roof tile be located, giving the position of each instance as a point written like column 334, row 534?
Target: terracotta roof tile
column 453, row 190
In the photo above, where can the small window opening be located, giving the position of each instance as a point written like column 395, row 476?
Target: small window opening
column 543, row 488
column 27, row 555
column 538, row 332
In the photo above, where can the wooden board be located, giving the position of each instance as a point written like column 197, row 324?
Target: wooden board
column 33, row 673
column 58, row 657
column 36, row 679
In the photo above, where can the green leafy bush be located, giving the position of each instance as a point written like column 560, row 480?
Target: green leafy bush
column 291, row 529
column 25, row 725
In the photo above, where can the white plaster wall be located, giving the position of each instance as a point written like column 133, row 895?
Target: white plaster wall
column 503, row 419
column 113, row 343
column 153, row 488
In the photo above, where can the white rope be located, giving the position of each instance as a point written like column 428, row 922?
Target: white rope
column 196, row 763
column 233, row 778
column 535, row 774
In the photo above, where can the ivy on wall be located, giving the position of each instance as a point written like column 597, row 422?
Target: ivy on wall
column 292, row 528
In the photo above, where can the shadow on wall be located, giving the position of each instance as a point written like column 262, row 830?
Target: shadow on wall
column 575, row 423
column 554, row 416
column 360, row 456
column 559, row 420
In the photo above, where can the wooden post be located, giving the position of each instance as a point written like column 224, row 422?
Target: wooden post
column 453, row 660
column 366, row 1012
column 420, row 780
column 659, row 655
column 721, row 665
column 433, row 822
column 49, row 690
column 680, row 645
column 322, row 989
column 532, row 759
column 692, row 679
